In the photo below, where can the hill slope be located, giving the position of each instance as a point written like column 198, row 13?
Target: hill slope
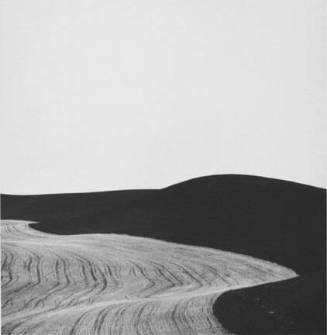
column 275, row 220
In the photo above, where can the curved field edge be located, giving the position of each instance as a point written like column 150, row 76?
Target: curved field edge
column 276, row 220
column 117, row 284
column 280, row 221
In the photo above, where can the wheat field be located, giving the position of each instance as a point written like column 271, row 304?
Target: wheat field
column 117, row 284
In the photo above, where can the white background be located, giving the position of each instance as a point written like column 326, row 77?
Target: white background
column 115, row 94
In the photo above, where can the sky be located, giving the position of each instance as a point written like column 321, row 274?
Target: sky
column 120, row 94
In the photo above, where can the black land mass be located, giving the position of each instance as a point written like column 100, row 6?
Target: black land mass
column 288, row 307
column 279, row 221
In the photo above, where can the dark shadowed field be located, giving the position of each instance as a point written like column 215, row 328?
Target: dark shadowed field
column 273, row 220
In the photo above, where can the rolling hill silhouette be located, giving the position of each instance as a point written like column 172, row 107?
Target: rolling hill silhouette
column 279, row 221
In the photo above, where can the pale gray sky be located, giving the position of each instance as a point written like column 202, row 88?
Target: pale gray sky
column 115, row 94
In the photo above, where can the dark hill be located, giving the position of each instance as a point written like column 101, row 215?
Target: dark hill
column 75, row 213
column 276, row 220
column 295, row 306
